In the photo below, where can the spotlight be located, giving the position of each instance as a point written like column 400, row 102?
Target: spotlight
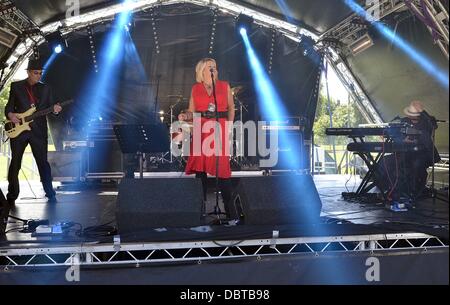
column 56, row 42
column 58, row 49
column 244, row 24
column 361, row 44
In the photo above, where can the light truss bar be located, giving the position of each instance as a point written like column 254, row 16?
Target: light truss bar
column 175, row 252
column 139, row 5
column 348, row 28
column 364, row 104
column 15, row 18
column 22, row 52
column 439, row 20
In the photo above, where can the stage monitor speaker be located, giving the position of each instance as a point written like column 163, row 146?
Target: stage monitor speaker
column 279, row 200
column 145, row 204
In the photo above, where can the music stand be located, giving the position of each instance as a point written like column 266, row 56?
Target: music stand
column 141, row 139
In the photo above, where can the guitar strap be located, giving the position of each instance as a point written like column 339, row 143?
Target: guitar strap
column 31, row 97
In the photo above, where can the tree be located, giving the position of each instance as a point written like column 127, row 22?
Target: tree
column 4, row 95
column 344, row 115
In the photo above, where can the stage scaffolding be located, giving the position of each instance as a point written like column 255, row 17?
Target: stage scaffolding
column 196, row 252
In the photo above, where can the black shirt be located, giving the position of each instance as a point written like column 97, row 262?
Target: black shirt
column 426, row 125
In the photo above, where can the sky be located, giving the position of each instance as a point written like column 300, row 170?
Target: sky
column 337, row 90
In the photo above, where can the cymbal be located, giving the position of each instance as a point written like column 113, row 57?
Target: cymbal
column 237, row 90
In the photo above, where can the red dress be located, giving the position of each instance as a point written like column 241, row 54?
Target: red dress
column 204, row 160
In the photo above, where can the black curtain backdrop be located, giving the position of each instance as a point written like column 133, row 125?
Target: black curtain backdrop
column 184, row 35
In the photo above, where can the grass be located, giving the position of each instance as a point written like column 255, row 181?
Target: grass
column 27, row 165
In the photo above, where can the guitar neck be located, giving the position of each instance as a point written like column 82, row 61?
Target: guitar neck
column 44, row 112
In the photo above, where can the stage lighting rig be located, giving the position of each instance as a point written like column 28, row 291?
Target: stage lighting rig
column 361, row 44
column 7, row 38
column 244, row 23
column 56, row 42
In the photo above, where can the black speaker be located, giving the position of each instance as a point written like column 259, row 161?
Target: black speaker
column 144, row 204
column 279, row 200
column 291, row 151
column 66, row 166
column 104, row 156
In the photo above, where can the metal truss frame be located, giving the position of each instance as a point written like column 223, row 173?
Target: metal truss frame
column 350, row 29
column 136, row 254
column 431, row 12
column 344, row 34
column 15, row 18
column 355, row 89
column 434, row 15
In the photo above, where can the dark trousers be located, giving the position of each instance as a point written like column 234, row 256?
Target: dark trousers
column 403, row 174
column 226, row 190
column 39, row 147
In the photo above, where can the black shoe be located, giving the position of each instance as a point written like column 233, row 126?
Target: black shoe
column 52, row 200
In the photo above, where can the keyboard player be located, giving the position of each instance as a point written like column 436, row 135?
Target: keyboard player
column 415, row 162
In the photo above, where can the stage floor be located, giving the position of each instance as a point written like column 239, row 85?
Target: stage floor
column 93, row 205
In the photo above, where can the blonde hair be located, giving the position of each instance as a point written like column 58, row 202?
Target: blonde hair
column 200, row 67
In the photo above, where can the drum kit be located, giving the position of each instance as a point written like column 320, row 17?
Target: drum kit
column 180, row 135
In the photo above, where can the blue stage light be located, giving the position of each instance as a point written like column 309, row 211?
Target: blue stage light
column 58, row 49
column 267, row 95
column 48, row 64
column 56, row 42
column 102, row 88
column 423, row 61
column 272, row 105
column 244, row 24
column 285, row 10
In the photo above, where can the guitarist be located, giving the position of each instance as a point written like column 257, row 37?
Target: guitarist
column 24, row 95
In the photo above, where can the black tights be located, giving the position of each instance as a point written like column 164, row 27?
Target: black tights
column 226, row 191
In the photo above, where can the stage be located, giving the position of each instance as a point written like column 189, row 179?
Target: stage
column 347, row 235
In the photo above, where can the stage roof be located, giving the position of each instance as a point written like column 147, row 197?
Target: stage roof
column 317, row 16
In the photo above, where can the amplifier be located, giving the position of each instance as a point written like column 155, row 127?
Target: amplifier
column 104, row 156
column 290, row 148
column 75, row 145
column 287, row 124
column 101, row 131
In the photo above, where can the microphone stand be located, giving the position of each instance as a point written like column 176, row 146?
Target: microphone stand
column 217, row 210
column 433, row 123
